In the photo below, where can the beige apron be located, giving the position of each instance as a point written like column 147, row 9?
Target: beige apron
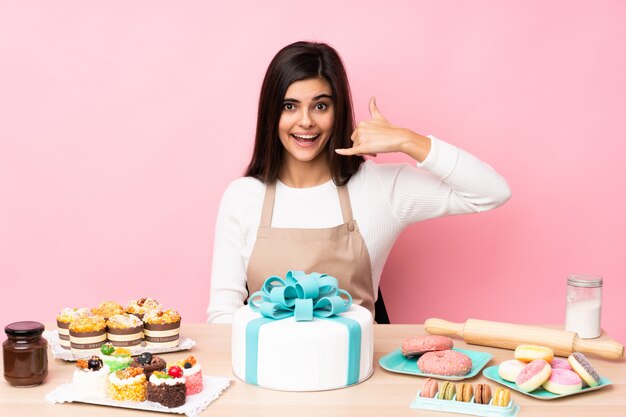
column 338, row 251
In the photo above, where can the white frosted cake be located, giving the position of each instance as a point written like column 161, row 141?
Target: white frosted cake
column 290, row 355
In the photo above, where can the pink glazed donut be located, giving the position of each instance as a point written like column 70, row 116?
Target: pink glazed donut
column 533, row 375
column 563, row 381
column 560, row 363
column 414, row 346
column 445, row 362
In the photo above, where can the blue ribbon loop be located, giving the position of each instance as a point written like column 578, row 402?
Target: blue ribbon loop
column 300, row 295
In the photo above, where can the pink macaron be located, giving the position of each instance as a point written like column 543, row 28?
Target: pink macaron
column 563, row 381
column 533, row 375
column 429, row 389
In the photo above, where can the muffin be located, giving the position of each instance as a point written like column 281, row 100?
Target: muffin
column 116, row 358
column 108, row 309
column 127, row 385
column 140, row 307
column 124, row 330
column 90, row 378
column 65, row 317
column 149, row 363
column 192, row 371
column 168, row 388
column 87, row 334
column 161, row 328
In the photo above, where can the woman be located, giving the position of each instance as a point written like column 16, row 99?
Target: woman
column 310, row 201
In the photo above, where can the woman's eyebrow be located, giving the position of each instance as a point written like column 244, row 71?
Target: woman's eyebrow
column 320, row 96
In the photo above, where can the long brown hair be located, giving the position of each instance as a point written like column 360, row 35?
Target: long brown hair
column 296, row 62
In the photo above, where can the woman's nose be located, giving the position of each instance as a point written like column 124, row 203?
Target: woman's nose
column 305, row 119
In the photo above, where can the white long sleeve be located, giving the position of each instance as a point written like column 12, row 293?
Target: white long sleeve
column 385, row 199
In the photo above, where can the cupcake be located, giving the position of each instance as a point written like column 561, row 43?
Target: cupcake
column 116, row 358
column 87, row 334
column 192, row 371
column 167, row 388
column 127, row 385
column 140, row 307
column 124, row 330
column 64, row 319
column 161, row 328
column 90, row 378
column 149, row 363
column 108, row 309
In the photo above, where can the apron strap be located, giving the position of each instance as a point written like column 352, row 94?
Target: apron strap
column 270, row 193
column 268, row 205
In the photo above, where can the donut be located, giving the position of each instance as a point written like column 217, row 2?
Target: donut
column 509, row 370
column 445, row 362
column 528, row 353
column 533, row 375
column 501, row 397
column 560, row 363
column 447, row 391
column 483, row 394
column 464, row 392
column 563, row 381
column 415, row 346
column 583, row 368
column 430, row 388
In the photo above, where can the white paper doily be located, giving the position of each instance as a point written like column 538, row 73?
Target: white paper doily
column 68, row 355
column 195, row 404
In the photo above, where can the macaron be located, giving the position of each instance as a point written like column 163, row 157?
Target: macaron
column 583, row 368
column 447, row 391
column 429, row 389
column 528, row 353
column 445, row 362
column 464, row 392
column 501, row 397
column 533, row 375
column 482, row 394
column 560, row 363
column 509, row 370
column 415, row 346
column 563, row 381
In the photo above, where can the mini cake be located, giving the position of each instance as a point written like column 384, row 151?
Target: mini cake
column 167, row 388
column 124, row 330
column 149, row 363
column 108, row 309
column 127, row 385
column 161, row 328
column 87, row 334
column 64, row 319
column 90, row 378
column 193, row 374
column 116, row 358
column 140, row 307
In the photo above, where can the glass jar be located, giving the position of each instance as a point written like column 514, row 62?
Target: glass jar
column 25, row 354
column 584, row 305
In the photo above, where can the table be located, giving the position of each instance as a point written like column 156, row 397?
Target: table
column 384, row 394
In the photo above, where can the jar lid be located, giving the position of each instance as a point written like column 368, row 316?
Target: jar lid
column 24, row 328
column 584, row 280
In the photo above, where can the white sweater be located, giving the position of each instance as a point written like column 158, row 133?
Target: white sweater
column 385, row 198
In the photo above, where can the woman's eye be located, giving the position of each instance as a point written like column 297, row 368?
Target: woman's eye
column 321, row 106
column 288, row 106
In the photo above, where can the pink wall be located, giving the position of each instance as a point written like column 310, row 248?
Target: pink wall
column 122, row 123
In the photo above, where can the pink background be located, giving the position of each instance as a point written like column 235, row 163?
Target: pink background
column 121, row 123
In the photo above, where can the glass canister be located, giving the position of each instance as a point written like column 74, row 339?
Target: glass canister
column 584, row 305
column 25, row 354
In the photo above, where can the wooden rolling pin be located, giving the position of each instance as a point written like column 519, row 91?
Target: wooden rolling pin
column 508, row 336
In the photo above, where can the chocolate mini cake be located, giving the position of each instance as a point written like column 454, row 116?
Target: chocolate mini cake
column 149, row 363
column 168, row 389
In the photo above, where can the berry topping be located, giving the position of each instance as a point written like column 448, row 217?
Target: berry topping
column 175, row 371
column 95, row 363
column 145, row 358
column 188, row 365
column 107, row 349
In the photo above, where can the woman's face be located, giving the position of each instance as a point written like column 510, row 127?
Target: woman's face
column 307, row 119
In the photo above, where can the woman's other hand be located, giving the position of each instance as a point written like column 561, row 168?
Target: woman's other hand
column 378, row 135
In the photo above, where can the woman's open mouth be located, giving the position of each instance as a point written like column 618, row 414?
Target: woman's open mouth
column 305, row 140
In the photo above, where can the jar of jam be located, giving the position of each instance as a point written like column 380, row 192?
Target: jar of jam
column 25, row 354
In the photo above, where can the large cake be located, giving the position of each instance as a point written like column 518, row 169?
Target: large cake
column 281, row 350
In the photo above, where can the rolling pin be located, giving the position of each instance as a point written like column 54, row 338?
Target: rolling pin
column 509, row 336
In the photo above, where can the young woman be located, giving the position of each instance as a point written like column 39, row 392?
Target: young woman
column 310, row 201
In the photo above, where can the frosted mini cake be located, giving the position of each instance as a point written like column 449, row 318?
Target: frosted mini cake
column 193, row 375
column 90, row 378
column 116, row 358
column 168, row 388
column 128, row 385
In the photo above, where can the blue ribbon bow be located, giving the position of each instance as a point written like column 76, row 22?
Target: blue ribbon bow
column 300, row 295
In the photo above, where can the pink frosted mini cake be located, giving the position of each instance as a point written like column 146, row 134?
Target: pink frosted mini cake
column 193, row 374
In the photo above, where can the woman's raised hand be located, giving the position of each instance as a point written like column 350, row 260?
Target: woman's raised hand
column 378, row 135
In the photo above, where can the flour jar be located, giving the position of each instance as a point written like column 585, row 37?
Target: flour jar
column 584, row 305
